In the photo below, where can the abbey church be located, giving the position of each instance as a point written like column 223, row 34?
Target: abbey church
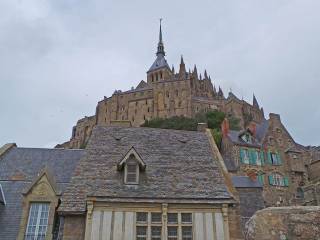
column 165, row 93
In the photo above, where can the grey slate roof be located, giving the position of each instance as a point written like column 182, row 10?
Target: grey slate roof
column 245, row 182
column 26, row 163
column 179, row 165
column 160, row 62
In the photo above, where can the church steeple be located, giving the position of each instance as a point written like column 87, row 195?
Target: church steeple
column 160, row 50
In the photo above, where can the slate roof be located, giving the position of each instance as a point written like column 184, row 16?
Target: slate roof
column 160, row 62
column 245, row 182
column 179, row 166
column 18, row 168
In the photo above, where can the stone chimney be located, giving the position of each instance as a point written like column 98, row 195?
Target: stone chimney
column 252, row 128
column 202, row 127
column 274, row 117
column 225, row 127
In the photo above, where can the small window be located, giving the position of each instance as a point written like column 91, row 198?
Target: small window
column 132, row 171
column 155, row 232
column 186, row 217
column 141, row 232
column 37, row 221
column 186, row 232
column 172, row 233
column 172, row 218
column 156, row 218
column 142, row 217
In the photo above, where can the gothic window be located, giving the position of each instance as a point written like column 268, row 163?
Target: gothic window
column 148, row 109
column 167, row 93
column 37, row 221
column 152, row 78
column 157, row 77
column 160, row 75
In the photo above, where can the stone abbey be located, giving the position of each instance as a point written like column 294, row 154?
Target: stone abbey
column 165, row 93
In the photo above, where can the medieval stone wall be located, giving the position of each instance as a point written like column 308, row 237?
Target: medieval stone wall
column 284, row 223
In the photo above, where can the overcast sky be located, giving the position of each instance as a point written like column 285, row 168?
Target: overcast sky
column 59, row 58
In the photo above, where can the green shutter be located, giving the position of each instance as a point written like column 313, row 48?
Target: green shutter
column 254, row 157
column 279, row 158
column 241, row 155
column 271, row 180
column 286, row 181
column 251, row 157
column 262, row 157
column 261, row 178
column 269, row 157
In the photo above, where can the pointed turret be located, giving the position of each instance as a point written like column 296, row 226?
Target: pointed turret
column 195, row 72
column 255, row 102
column 220, row 93
column 205, row 74
column 182, row 70
column 200, row 77
column 172, row 69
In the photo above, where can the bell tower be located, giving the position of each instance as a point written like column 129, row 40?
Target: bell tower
column 159, row 70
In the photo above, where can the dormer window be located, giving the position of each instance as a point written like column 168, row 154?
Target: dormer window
column 247, row 138
column 132, row 164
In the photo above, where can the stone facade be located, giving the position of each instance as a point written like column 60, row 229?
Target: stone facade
column 270, row 155
column 284, row 223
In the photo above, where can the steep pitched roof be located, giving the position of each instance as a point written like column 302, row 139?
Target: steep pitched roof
column 160, row 62
column 180, row 166
column 19, row 167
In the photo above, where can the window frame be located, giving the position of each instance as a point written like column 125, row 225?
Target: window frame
column 38, row 219
column 126, row 174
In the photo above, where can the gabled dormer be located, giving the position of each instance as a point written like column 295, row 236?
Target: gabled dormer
column 131, row 165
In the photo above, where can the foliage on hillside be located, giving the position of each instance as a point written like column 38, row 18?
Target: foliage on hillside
column 212, row 118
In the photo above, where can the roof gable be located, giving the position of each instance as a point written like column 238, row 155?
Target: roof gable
column 133, row 152
column 44, row 183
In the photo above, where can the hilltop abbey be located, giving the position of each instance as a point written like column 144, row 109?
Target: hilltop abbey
column 165, row 93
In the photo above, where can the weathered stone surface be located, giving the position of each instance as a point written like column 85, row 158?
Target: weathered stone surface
column 284, row 223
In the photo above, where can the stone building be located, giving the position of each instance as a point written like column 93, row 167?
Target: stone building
column 31, row 183
column 165, row 93
column 312, row 189
column 267, row 151
column 129, row 183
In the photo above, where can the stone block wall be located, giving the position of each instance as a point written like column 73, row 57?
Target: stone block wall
column 284, row 223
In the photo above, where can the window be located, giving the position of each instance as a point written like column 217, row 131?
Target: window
column 274, row 158
column 180, row 226
column 258, row 157
column 132, row 171
column 244, row 155
column 247, row 138
column 276, row 179
column 167, row 93
column 261, row 178
column 143, row 224
column 177, row 93
column 37, row 221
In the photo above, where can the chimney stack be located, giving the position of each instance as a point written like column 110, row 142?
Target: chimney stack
column 225, row 127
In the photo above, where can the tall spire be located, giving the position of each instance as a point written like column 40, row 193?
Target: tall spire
column 160, row 50
column 255, row 102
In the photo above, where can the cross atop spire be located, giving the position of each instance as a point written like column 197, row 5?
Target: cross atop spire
column 160, row 50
